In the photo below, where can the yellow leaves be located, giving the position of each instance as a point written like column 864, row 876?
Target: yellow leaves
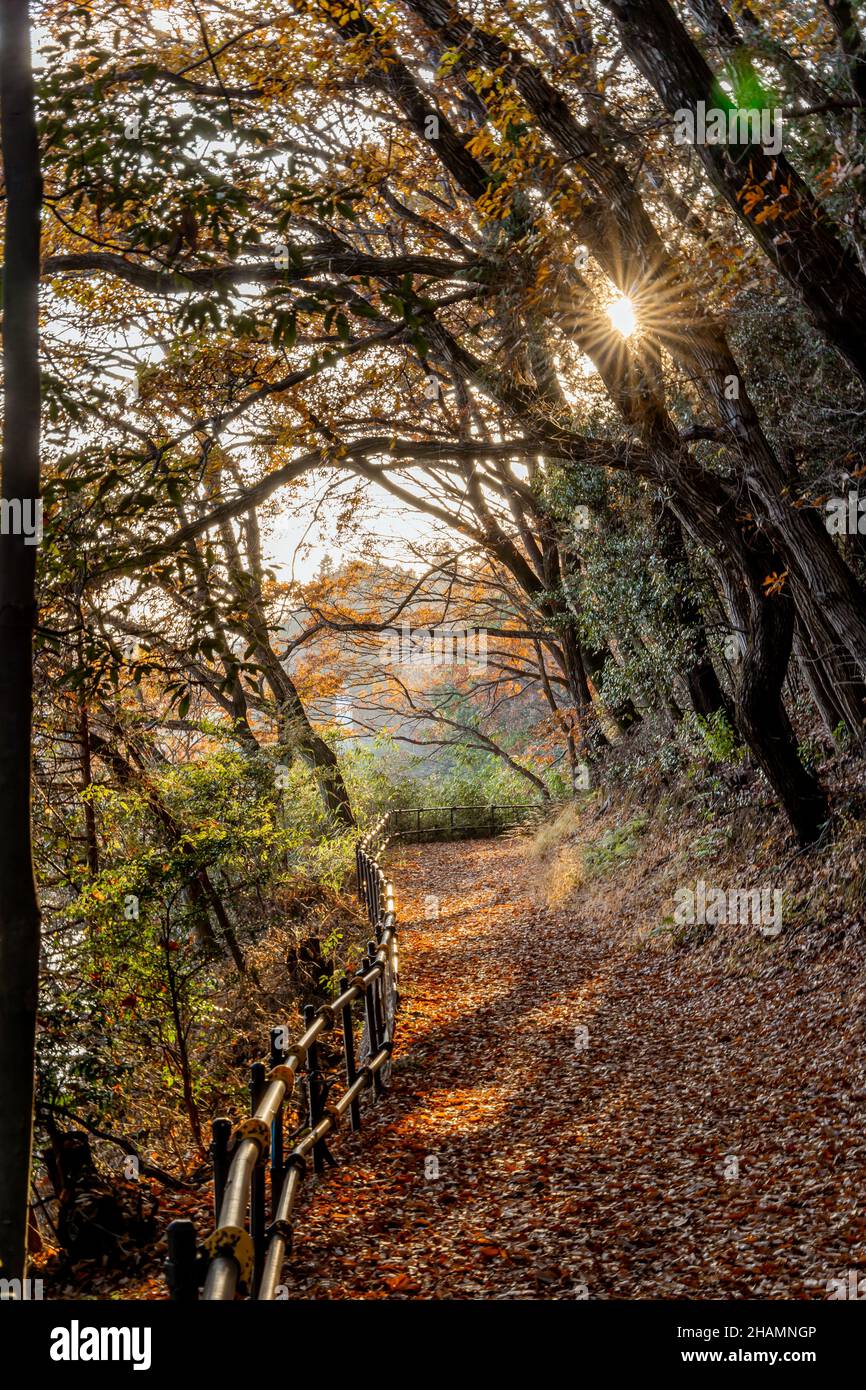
column 480, row 144
column 449, row 60
column 479, row 79
column 492, row 205
column 336, row 11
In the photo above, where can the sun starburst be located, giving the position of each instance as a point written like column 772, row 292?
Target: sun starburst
column 621, row 313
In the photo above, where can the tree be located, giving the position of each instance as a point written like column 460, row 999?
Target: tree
column 335, row 270
column 19, row 909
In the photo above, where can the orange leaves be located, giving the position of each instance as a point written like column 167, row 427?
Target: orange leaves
column 775, row 583
column 401, row 1283
column 489, row 1250
column 764, row 202
column 697, row 1149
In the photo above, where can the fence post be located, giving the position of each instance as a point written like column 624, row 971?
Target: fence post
column 492, row 820
column 181, row 1266
column 349, row 1050
column 380, row 903
column 219, row 1151
column 372, row 1022
column 369, row 878
column 257, row 1184
column 276, row 1057
column 315, row 1102
column 378, row 997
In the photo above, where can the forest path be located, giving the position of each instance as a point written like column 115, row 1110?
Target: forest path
column 600, row 1172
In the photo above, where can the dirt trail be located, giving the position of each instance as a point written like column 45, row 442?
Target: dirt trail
column 706, row 1143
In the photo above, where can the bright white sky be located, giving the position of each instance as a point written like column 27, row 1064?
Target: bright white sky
column 298, row 538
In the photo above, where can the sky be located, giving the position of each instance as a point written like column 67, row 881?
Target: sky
column 300, row 535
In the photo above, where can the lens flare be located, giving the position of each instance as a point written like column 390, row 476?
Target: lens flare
column 622, row 315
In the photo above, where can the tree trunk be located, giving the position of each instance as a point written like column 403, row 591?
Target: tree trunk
column 299, row 736
column 295, row 729
column 90, row 834
column 764, row 722
column 19, row 907
column 821, row 691
column 660, row 47
column 625, row 713
column 845, row 23
column 704, row 687
column 181, row 1053
column 616, row 227
column 837, row 672
column 591, row 736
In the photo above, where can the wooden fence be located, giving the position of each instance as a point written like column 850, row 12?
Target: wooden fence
column 255, row 1182
column 417, row 824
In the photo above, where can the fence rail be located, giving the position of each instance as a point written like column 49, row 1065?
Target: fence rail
column 419, row 823
column 245, row 1253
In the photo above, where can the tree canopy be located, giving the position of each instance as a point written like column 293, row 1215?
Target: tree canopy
column 455, row 267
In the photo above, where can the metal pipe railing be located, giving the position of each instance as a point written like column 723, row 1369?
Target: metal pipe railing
column 241, row 1254
column 405, row 823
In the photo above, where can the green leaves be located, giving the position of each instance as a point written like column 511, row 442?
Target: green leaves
column 284, row 332
column 199, row 313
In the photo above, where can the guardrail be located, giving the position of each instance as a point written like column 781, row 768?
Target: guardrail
column 244, row 1253
column 419, row 823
